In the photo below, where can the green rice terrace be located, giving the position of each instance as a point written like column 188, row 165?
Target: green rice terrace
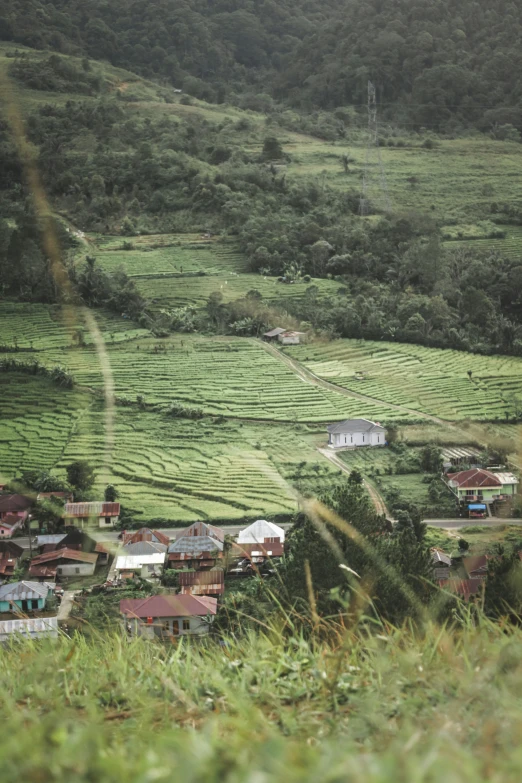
column 429, row 380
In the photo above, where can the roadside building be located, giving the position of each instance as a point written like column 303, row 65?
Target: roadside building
column 477, row 489
column 260, row 541
column 168, row 616
column 102, row 514
column 144, row 548
column 353, row 433
column 195, row 552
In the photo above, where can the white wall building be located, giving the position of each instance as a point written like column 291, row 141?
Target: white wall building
column 261, row 532
column 353, row 433
column 146, row 566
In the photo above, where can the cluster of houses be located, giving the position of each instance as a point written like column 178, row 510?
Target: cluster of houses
column 200, row 558
column 464, row 576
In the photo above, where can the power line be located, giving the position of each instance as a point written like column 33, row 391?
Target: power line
column 373, row 160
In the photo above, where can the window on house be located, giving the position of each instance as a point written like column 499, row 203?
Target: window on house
column 76, row 570
column 107, row 520
column 351, row 438
column 363, row 438
column 186, row 625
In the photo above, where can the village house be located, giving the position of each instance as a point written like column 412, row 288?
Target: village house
column 197, row 552
column 72, row 538
column 25, row 596
column 10, row 554
column 144, row 534
column 476, row 566
column 290, row 337
column 14, row 510
column 353, row 433
column 478, row 488
column 66, row 497
column 144, row 566
column 202, row 582
column 168, row 616
column 457, row 456
column 259, row 541
column 64, row 563
column 144, row 548
column 105, row 515
column 31, row 628
column 466, row 589
column 199, row 529
column 273, row 334
column 441, row 563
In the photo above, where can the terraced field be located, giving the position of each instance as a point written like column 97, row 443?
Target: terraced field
column 188, row 470
column 174, row 271
column 231, row 377
column 48, row 327
column 36, row 422
column 510, row 246
column 423, row 379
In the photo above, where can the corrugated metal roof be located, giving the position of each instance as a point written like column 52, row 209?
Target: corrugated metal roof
column 195, row 545
column 437, row 556
column 201, row 529
column 354, row 425
column 169, row 606
column 25, row 591
column 459, row 452
column 258, row 531
column 145, row 548
column 50, row 539
column 201, row 577
column 65, row 554
column 94, row 509
column 12, row 503
column 506, row 478
column 145, row 534
column 274, row 332
column 129, row 562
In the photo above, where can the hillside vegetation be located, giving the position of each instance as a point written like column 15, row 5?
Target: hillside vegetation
column 365, row 707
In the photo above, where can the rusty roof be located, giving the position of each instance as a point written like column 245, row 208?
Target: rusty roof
column 42, row 571
column 475, row 563
column 94, row 509
column 65, row 554
column 195, row 545
column 201, row 577
column 10, row 520
column 200, row 530
column 145, row 534
column 474, row 479
column 465, row 588
column 169, row 606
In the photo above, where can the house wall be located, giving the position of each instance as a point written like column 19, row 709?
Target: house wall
column 32, row 604
column 147, row 570
column 76, row 569
column 103, row 523
column 485, row 494
column 289, row 340
column 355, row 439
column 35, row 628
column 165, row 626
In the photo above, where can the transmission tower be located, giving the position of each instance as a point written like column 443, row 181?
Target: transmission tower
column 374, row 188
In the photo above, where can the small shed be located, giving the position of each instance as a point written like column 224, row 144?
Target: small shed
column 290, row 338
column 273, row 334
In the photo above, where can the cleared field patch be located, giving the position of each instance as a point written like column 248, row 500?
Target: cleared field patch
column 428, row 380
column 168, row 256
column 36, row 422
column 510, row 246
column 231, row 377
column 186, row 470
column 47, row 327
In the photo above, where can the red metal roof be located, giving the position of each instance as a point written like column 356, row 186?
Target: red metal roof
column 169, row 606
column 465, row 588
column 476, row 563
column 7, row 565
column 65, row 554
column 42, row 571
column 476, row 478
column 10, row 520
column 12, row 503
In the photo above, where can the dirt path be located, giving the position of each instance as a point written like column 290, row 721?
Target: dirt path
column 66, row 605
column 309, row 377
column 378, row 502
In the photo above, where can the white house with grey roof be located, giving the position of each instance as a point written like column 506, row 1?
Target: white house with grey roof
column 352, row 433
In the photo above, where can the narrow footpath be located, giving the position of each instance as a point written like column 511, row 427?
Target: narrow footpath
column 309, row 377
column 67, row 604
column 377, row 500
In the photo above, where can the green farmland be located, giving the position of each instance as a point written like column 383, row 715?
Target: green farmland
column 427, row 380
column 231, row 377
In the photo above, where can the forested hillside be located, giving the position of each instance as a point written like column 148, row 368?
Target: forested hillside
column 441, row 64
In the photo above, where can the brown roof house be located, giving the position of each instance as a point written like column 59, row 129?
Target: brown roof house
column 168, row 616
column 14, row 510
column 259, row 541
column 199, row 546
column 104, row 515
column 441, row 563
column 63, row 562
column 467, row 589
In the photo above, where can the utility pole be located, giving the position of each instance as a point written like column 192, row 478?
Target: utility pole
column 373, row 160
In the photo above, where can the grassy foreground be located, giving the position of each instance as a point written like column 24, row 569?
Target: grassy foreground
column 385, row 707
